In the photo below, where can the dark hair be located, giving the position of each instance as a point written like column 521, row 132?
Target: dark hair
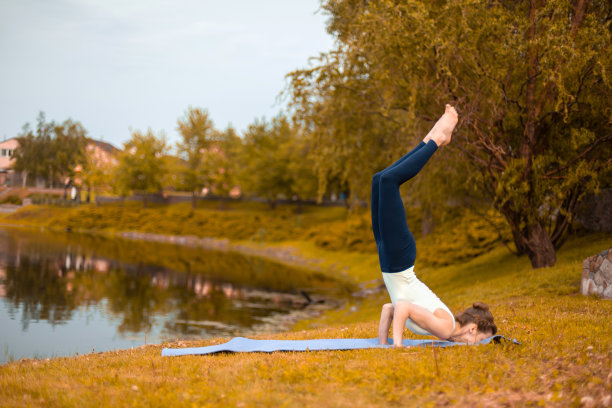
column 479, row 313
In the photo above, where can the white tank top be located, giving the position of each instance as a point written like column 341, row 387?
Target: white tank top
column 405, row 286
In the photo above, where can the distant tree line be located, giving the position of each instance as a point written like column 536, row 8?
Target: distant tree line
column 271, row 160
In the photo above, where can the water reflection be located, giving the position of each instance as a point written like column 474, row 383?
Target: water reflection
column 55, row 280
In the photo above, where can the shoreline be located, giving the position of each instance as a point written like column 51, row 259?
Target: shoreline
column 286, row 256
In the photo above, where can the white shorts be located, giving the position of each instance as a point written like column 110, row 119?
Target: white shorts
column 405, row 286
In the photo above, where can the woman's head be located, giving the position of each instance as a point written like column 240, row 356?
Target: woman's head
column 476, row 323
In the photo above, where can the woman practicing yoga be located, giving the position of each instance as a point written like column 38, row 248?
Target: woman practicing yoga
column 412, row 302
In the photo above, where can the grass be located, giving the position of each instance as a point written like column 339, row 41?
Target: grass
column 565, row 358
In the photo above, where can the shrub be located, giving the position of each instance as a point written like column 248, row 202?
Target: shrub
column 11, row 199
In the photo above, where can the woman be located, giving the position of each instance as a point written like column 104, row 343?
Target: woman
column 412, row 303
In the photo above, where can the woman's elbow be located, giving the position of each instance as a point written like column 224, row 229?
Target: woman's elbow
column 446, row 334
column 403, row 306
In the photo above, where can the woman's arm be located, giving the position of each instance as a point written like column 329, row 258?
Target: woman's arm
column 439, row 323
column 386, row 316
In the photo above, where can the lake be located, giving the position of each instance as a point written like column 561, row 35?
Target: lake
column 66, row 293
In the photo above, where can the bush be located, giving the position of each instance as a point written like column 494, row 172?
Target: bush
column 11, row 199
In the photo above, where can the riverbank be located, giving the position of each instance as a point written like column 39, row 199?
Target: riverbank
column 328, row 228
column 564, row 358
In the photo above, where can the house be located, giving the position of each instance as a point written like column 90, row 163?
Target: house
column 103, row 153
column 7, row 147
column 99, row 154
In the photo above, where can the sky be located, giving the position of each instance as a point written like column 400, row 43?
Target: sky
column 122, row 65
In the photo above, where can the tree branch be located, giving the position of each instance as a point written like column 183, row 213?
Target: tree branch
column 581, row 155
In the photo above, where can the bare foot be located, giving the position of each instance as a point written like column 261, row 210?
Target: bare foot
column 432, row 131
column 430, row 134
column 443, row 129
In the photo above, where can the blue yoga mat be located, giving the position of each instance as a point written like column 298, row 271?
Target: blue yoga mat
column 244, row 345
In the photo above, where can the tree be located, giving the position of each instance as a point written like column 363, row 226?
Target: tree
column 197, row 132
column 28, row 156
column 301, row 169
column 142, row 165
column 175, row 172
column 66, row 151
column 276, row 161
column 221, row 162
column 263, row 160
column 529, row 79
column 52, row 151
column 96, row 172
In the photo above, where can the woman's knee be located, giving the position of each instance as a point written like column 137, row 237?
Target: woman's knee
column 388, row 306
column 386, row 178
column 376, row 178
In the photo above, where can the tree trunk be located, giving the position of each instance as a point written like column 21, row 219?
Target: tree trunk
column 194, row 200
column 25, row 179
column 519, row 241
column 539, row 246
column 144, row 201
column 514, row 222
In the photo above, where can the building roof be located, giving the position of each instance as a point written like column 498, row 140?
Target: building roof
column 107, row 147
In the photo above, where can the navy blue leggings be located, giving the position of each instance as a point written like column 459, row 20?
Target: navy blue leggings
column 395, row 243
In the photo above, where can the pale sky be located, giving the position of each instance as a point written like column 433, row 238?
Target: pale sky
column 116, row 65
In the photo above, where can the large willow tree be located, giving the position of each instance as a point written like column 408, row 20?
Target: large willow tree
column 531, row 80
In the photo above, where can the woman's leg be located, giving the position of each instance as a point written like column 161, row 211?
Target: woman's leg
column 395, row 243
column 376, row 190
column 396, row 246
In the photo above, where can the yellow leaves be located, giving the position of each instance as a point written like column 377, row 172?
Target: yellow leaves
column 579, row 137
column 512, row 187
column 141, row 164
